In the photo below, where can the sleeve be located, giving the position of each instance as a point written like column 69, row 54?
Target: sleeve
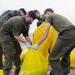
column 26, row 32
column 48, row 20
column 17, row 29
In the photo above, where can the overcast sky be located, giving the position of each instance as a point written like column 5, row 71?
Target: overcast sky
column 63, row 7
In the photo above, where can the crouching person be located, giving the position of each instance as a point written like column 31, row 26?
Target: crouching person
column 9, row 34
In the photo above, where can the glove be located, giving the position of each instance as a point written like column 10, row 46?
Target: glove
column 35, row 46
column 27, row 44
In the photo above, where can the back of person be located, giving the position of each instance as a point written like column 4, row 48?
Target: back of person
column 7, row 15
column 11, row 13
column 58, row 22
column 13, row 24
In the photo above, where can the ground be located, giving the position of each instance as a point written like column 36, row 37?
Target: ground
column 72, row 71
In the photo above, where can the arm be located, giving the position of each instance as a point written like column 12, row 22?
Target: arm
column 57, row 35
column 28, row 39
column 19, row 38
column 45, row 34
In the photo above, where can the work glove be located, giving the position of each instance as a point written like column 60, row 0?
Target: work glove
column 27, row 44
column 35, row 46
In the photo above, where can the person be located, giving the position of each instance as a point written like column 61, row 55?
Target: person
column 4, row 17
column 40, row 17
column 64, row 44
column 9, row 34
column 48, row 11
column 11, row 13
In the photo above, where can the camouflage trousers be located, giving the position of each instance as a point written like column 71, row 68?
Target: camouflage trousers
column 11, row 50
column 62, row 48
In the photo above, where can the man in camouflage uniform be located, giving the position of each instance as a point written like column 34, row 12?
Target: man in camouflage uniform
column 64, row 44
column 9, row 34
column 40, row 17
column 4, row 17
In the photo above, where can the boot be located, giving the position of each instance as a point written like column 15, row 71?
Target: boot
column 7, row 72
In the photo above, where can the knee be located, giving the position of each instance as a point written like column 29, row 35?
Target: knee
column 10, row 55
column 52, row 58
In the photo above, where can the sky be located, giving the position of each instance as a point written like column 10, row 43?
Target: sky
column 62, row 7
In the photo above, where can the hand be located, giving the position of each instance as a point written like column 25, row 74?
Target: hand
column 35, row 46
column 27, row 44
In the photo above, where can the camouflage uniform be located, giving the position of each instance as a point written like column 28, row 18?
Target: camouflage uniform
column 10, row 46
column 3, row 18
column 64, row 45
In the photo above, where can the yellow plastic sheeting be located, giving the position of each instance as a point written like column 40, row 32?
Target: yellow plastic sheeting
column 49, row 42
column 22, row 56
column 72, row 58
column 1, row 72
column 30, row 65
column 3, row 59
column 34, row 63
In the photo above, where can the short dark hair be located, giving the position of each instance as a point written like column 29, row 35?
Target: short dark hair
column 48, row 10
column 32, row 14
column 36, row 11
column 23, row 10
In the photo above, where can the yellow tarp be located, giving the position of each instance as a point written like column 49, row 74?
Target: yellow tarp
column 49, row 42
column 36, row 62
column 1, row 72
column 72, row 59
